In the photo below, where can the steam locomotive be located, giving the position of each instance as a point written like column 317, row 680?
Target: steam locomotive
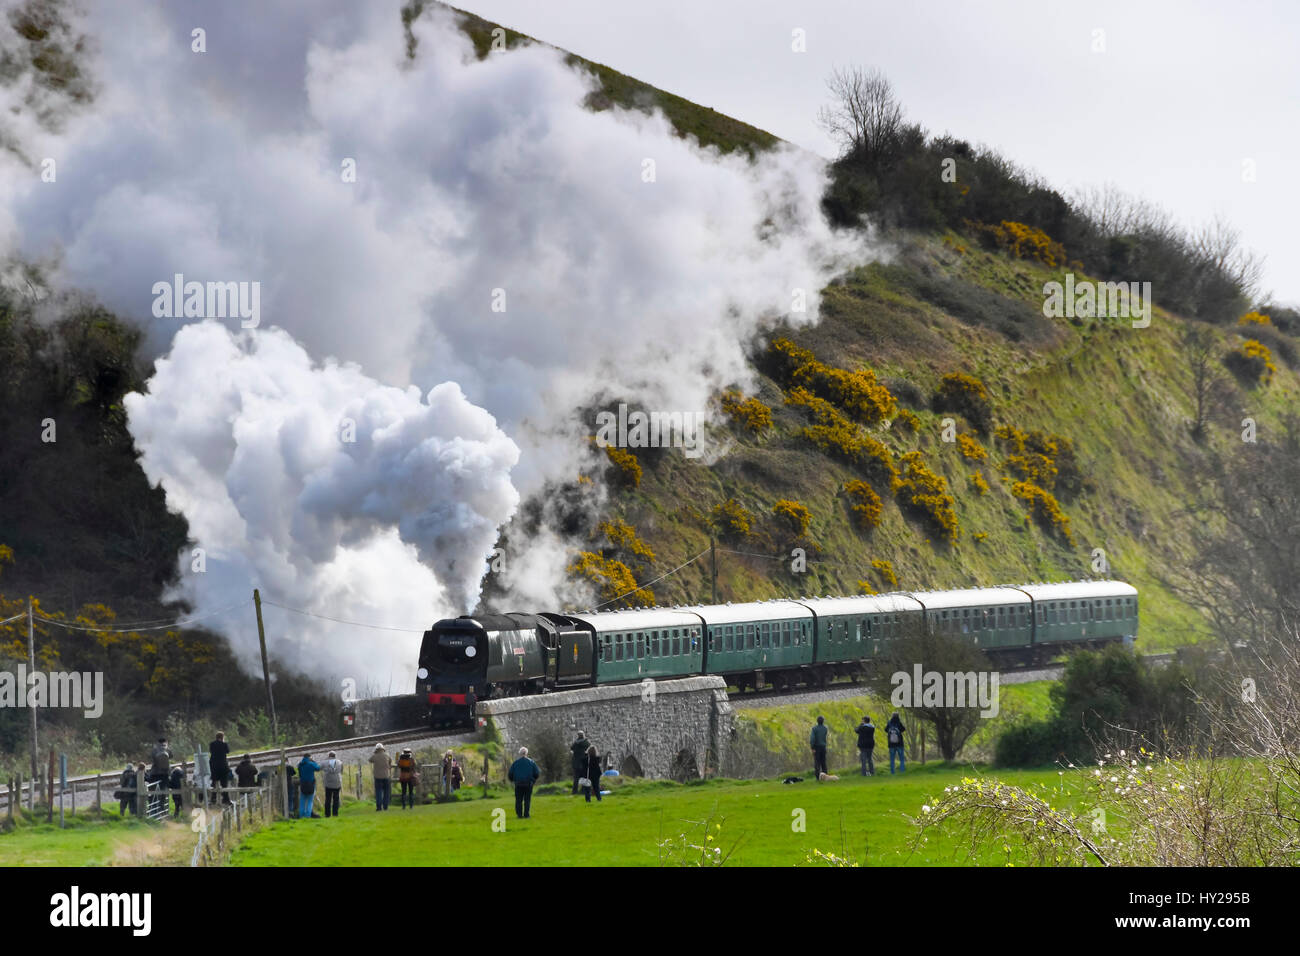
column 785, row 642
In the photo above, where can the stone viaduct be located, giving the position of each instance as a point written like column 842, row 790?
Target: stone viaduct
column 675, row 729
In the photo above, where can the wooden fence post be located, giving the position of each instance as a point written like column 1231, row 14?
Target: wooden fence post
column 923, row 745
column 141, row 795
column 13, row 795
column 31, row 797
column 485, row 774
column 49, row 809
column 99, row 786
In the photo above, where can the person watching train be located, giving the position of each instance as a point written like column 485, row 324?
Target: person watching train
column 817, row 740
column 524, row 774
column 218, row 764
column 867, row 746
column 406, row 778
column 246, row 772
column 382, row 766
column 307, row 770
column 591, row 774
column 894, row 731
column 579, row 748
column 332, row 778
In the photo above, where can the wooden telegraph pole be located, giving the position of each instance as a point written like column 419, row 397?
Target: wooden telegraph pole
column 713, row 558
column 31, row 669
column 266, row 669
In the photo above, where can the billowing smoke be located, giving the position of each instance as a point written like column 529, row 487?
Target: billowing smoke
column 441, row 219
column 357, row 499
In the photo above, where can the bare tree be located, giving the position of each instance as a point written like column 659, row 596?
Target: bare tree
column 947, row 655
column 1204, row 379
column 865, row 117
column 1217, row 244
column 1245, row 531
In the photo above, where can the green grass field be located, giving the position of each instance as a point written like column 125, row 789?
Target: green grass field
column 865, row 819
column 95, row 840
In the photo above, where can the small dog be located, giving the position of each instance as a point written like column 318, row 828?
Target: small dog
column 792, row 780
column 823, row 777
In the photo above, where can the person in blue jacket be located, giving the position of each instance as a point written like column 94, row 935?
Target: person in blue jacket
column 307, row 770
column 523, row 774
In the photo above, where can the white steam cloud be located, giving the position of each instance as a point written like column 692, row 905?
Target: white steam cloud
column 323, row 485
column 477, row 182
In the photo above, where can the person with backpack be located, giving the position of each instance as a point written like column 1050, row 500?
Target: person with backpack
column 382, row 765
column 332, row 777
column 591, row 774
column 817, row 740
column 867, row 744
column 523, row 774
column 406, row 778
column 894, row 731
column 307, row 770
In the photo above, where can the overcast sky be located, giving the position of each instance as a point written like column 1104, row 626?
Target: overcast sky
column 1182, row 94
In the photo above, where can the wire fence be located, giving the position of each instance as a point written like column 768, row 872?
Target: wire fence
column 216, row 829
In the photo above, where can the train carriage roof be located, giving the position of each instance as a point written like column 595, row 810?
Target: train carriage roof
column 971, row 597
column 757, row 611
column 638, row 619
column 1072, row 590
column 862, row 605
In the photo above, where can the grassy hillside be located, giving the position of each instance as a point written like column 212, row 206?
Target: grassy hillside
column 1120, row 394
column 944, row 303
column 706, row 125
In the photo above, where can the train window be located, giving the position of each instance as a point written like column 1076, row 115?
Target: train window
column 751, row 634
column 1001, row 615
column 677, row 645
column 618, row 647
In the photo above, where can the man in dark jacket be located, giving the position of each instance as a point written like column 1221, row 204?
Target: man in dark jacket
column 523, row 774
column 126, row 795
column 246, row 772
column 175, row 782
column 579, row 748
column 817, row 740
column 290, row 776
column 159, row 774
column 867, row 744
column 894, row 738
column 218, row 752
